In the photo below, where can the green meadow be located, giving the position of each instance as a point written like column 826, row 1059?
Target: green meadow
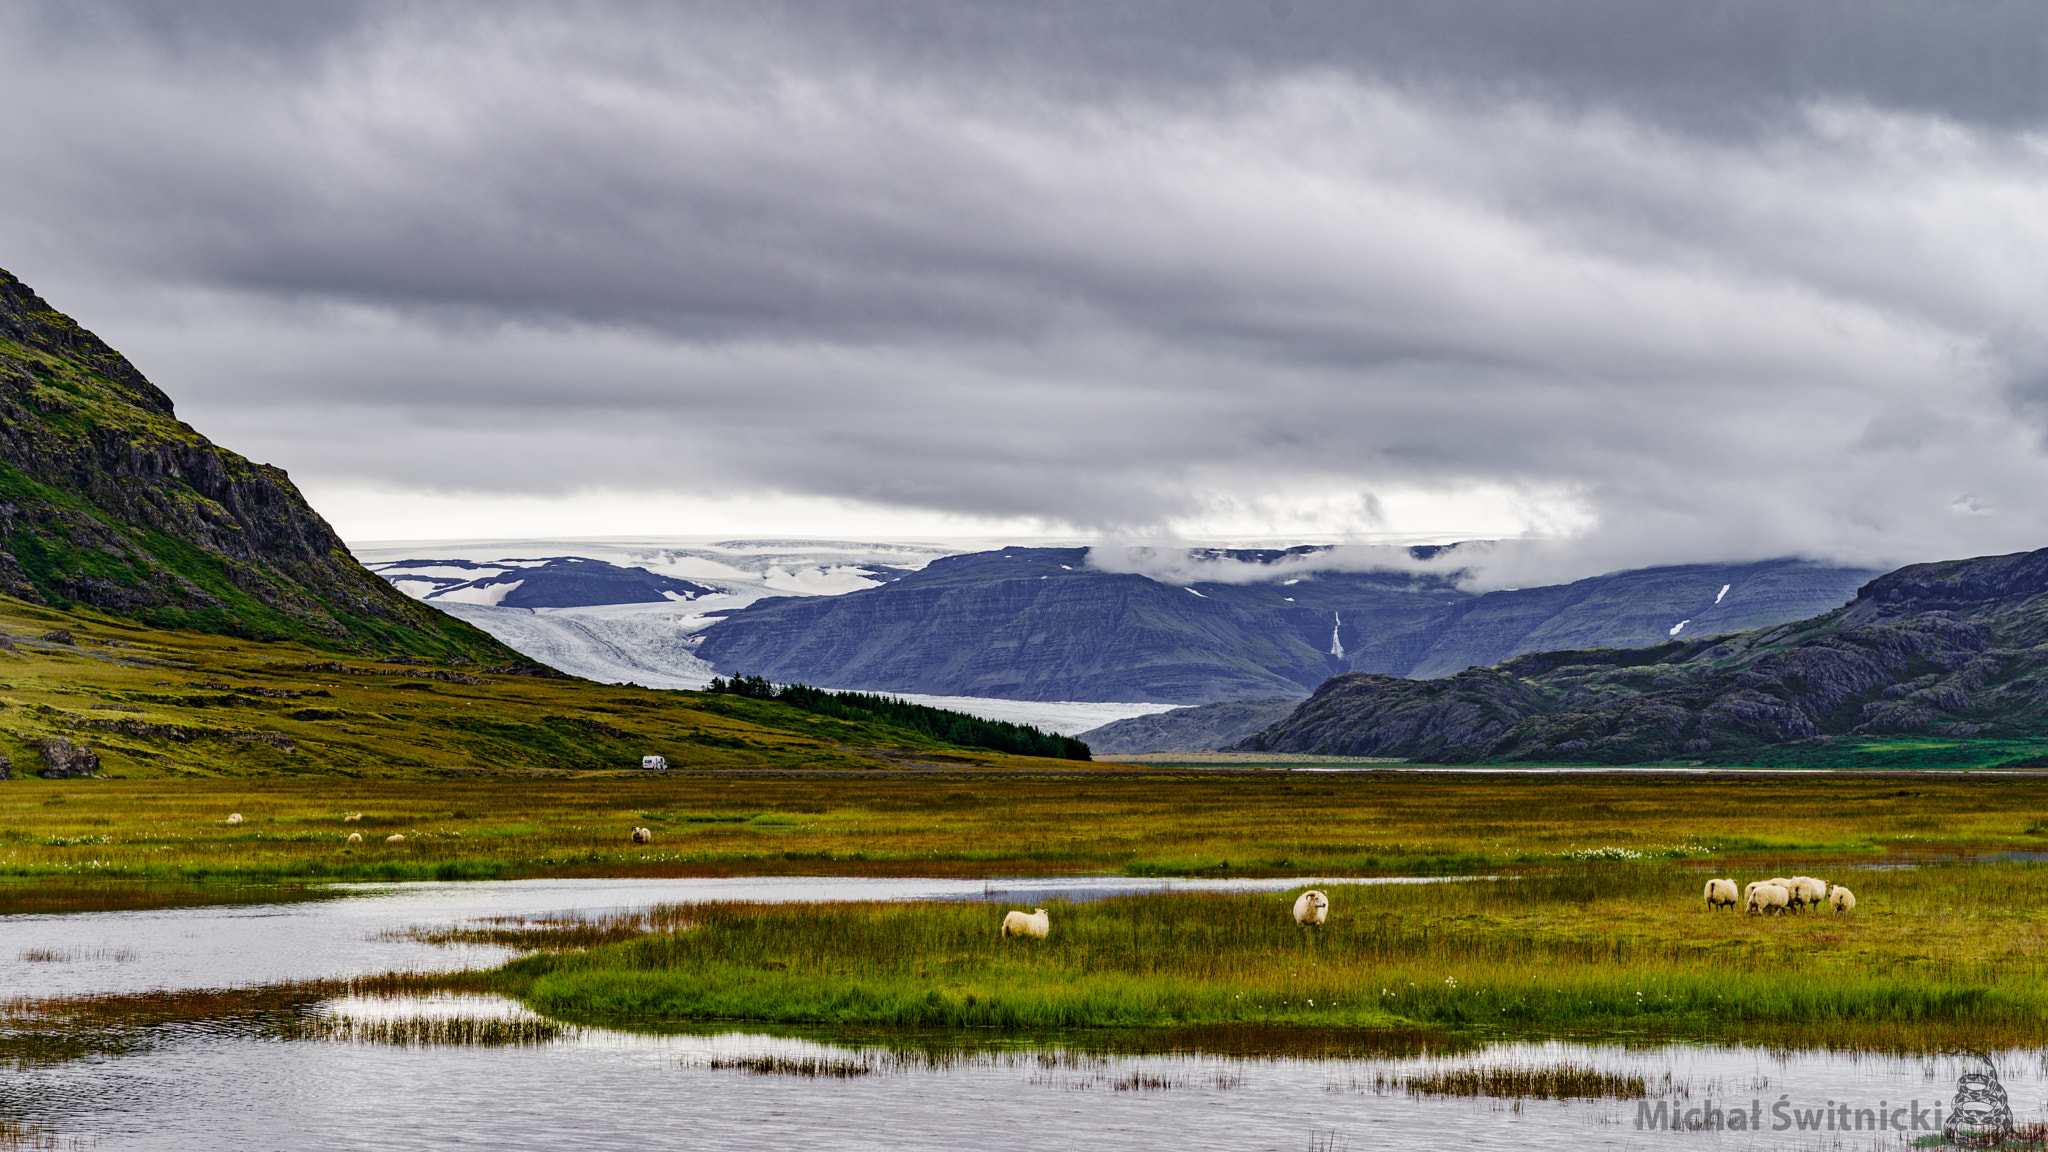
column 1935, row 957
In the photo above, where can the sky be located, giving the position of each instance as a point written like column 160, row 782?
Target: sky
column 1629, row 281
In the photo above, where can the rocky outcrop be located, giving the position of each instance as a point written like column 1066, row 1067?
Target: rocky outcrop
column 1194, row 729
column 62, row 758
column 1958, row 648
column 108, row 500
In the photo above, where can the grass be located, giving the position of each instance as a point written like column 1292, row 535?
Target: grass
column 81, row 844
column 424, row 1031
column 1940, row 957
column 161, row 703
column 1521, row 1082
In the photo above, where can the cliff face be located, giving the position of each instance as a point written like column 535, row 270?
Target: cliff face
column 1039, row 624
column 1957, row 648
column 108, row 500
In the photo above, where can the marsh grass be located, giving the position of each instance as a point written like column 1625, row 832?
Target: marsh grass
column 38, row 1032
column 543, row 933
column 29, row 1136
column 425, row 1031
column 1934, row 957
column 75, row 955
column 78, row 845
column 811, row 1067
column 1523, row 1081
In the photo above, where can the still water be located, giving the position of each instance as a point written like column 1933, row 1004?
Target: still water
column 219, row 1086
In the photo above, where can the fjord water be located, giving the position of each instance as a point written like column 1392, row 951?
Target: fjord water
column 218, row 1085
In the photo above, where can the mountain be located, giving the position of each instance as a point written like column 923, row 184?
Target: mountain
column 551, row 582
column 1952, row 649
column 1189, row 729
column 1041, row 624
column 108, row 500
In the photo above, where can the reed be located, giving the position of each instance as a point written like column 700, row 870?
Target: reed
column 811, row 1067
column 22, row 1134
column 1524, row 1081
column 425, row 1031
column 542, row 934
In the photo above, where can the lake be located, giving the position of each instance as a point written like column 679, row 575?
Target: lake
column 222, row 1084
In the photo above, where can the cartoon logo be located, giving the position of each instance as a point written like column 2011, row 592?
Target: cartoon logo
column 1980, row 1117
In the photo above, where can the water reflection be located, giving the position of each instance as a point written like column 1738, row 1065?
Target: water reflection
column 238, row 1082
column 596, row 1087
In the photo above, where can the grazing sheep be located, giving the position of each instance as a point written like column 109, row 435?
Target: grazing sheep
column 1720, row 893
column 395, row 838
column 1807, row 890
column 351, row 817
column 1036, row 925
column 643, row 835
column 1763, row 897
column 234, row 817
column 1311, row 908
column 355, row 837
column 1842, row 899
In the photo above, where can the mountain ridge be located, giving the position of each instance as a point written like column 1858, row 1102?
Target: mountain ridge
column 1949, row 649
column 1040, row 623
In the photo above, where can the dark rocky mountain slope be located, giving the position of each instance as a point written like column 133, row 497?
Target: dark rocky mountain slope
column 1955, row 649
column 1193, row 729
column 546, row 582
column 108, row 500
column 1039, row 624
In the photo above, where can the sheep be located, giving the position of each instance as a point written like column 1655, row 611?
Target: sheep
column 1720, row 893
column 1311, row 908
column 234, row 817
column 355, row 837
column 395, row 838
column 1807, row 890
column 351, row 817
column 1763, row 897
column 1035, row 925
column 1841, row 898
column 643, row 835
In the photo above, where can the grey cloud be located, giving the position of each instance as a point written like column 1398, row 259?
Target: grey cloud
column 1677, row 276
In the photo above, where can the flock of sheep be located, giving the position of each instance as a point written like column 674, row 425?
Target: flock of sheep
column 353, row 837
column 1778, row 894
column 1781, row 894
column 1311, row 909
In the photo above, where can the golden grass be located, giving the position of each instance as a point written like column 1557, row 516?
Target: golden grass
column 76, row 844
column 159, row 703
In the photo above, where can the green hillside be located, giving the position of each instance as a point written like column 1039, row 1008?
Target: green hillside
column 108, row 500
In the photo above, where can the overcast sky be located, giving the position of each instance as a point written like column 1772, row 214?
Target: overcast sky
column 1658, row 281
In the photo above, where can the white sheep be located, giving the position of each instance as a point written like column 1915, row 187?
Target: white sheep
column 1763, row 897
column 1035, row 925
column 234, row 817
column 1720, row 893
column 395, row 838
column 1807, row 890
column 355, row 837
column 1842, row 899
column 1311, row 908
column 643, row 835
column 351, row 817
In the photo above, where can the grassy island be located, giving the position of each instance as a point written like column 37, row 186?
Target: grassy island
column 1931, row 958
